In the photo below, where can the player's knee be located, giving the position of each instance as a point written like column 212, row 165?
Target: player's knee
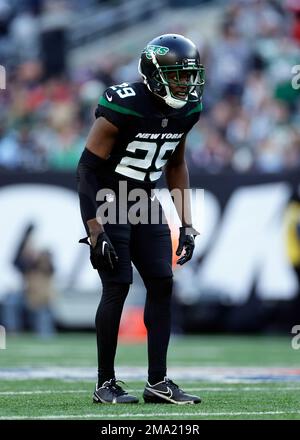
column 113, row 291
column 158, row 302
column 158, row 268
column 112, row 301
column 159, row 287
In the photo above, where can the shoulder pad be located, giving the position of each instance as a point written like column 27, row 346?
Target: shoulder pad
column 193, row 107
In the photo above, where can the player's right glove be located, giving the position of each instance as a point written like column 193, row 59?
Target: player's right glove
column 103, row 254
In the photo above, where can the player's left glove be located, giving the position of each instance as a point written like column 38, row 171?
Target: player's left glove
column 187, row 243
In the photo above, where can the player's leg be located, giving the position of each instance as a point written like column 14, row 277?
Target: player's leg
column 157, row 318
column 107, row 325
column 107, row 322
column 115, row 289
column 152, row 256
column 151, row 252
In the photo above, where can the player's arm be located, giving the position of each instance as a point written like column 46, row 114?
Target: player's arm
column 100, row 142
column 177, row 177
column 102, row 137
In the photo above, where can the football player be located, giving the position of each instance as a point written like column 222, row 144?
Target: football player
column 140, row 129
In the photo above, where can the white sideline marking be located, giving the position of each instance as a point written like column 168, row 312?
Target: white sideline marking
column 25, row 393
column 145, row 415
column 213, row 389
column 211, row 374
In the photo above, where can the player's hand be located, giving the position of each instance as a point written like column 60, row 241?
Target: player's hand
column 103, row 254
column 186, row 243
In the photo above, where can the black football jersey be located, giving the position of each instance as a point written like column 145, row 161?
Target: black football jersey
column 149, row 132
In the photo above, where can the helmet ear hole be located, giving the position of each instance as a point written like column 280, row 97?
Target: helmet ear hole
column 156, row 83
column 156, row 76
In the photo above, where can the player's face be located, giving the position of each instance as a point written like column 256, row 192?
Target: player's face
column 179, row 81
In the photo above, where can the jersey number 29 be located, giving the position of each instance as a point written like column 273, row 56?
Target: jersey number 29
column 141, row 166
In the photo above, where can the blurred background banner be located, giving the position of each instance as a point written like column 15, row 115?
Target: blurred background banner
column 58, row 58
column 240, row 263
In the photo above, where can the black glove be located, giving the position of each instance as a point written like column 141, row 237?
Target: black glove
column 187, row 242
column 103, row 255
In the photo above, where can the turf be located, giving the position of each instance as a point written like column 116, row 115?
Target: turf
column 57, row 398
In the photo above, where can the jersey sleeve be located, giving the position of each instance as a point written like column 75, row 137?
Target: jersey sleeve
column 117, row 105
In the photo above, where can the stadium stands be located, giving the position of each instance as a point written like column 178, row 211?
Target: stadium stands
column 251, row 111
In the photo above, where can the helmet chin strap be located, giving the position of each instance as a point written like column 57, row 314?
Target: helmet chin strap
column 172, row 102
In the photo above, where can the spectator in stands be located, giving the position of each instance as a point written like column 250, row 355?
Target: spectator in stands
column 229, row 63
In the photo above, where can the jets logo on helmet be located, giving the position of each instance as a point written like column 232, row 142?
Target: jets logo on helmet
column 171, row 69
column 152, row 48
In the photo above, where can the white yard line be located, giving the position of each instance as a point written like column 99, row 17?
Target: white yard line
column 211, row 374
column 212, row 389
column 26, row 393
column 147, row 415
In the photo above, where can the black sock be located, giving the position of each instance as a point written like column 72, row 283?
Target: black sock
column 101, row 381
column 155, row 378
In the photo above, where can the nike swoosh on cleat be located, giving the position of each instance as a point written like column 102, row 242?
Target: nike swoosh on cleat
column 108, row 97
column 164, row 394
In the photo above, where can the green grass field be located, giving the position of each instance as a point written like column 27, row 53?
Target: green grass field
column 237, row 378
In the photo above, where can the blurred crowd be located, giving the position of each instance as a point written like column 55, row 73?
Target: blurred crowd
column 251, row 117
column 252, row 112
